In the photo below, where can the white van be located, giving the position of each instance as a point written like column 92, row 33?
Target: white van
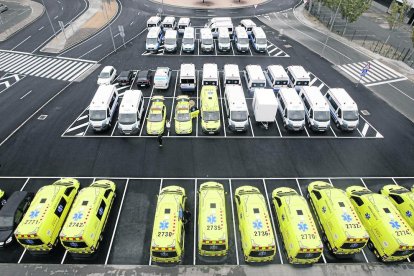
column 264, row 106
column 254, row 77
column 188, row 78
column 130, row 112
column 298, row 76
column 223, row 40
column 210, row 74
column 258, row 39
column 316, row 108
column 236, row 108
column 216, row 22
column 241, row 39
column 170, row 41
column 162, row 78
column 169, row 23
column 183, row 23
column 188, row 41
column 343, row 109
column 207, row 42
column 291, row 109
column 102, row 107
column 154, row 21
column 277, row 77
column 231, row 74
column 154, row 39
column 248, row 25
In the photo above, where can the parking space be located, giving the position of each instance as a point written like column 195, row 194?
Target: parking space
column 80, row 127
column 128, row 232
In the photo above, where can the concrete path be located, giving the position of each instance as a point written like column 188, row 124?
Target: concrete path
column 14, row 21
column 96, row 17
column 211, row 4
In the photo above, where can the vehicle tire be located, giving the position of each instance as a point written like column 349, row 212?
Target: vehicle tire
column 337, row 125
column 308, row 195
column 370, row 245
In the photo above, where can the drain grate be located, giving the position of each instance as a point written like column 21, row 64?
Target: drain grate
column 365, row 112
column 42, row 117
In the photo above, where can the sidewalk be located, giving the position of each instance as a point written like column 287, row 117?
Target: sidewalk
column 20, row 14
column 96, row 17
column 210, row 4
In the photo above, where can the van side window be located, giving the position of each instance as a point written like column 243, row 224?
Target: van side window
column 101, row 210
column 340, row 112
column 311, row 113
column 237, row 198
column 18, row 216
column 317, row 194
column 292, row 79
column 107, row 192
column 69, row 190
column 60, row 207
column 279, row 202
column 397, row 198
column 357, row 200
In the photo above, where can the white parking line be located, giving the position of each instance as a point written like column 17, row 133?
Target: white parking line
column 198, row 87
column 146, row 110
column 21, row 256
column 116, row 124
column 24, row 184
column 234, row 223
column 116, row 222
column 250, row 123
column 195, row 221
column 272, row 222
column 173, row 101
column 20, row 43
column 25, row 95
column 222, row 109
column 278, row 129
column 77, row 119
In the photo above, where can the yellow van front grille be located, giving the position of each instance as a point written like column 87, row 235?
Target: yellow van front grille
column 72, row 238
column 214, row 242
column 163, row 248
column 27, row 236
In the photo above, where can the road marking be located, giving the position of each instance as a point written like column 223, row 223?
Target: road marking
column 195, row 221
column 41, row 28
column 64, row 257
column 234, row 223
column 26, row 95
column 21, row 256
column 172, row 107
column 401, row 92
column 25, row 183
column 116, row 222
column 222, row 109
column 365, row 129
column 56, row 17
column 146, row 110
column 90, row 50
column 272, row 221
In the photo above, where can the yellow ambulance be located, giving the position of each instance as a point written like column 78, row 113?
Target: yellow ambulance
column 167, row 244
column 39, row 229
column 403, row 200
column 391, row 238
column 300, row 236
column 212, row 222
column 257, row 239
column 83, row 229
column 210, row 110
column 342, row 229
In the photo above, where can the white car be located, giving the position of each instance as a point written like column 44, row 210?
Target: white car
column 162, row 78
column 107, row 76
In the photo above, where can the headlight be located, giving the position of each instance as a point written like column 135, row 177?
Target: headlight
column 1, row 243
column 9, row 240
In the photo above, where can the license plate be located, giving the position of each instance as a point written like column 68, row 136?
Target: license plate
column 211, row 132
column 142, row 85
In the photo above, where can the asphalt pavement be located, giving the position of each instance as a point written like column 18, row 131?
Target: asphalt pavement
column 35, row 150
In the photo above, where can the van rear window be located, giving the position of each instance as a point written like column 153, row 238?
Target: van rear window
column 187, row 80
column 209, row 83
column 262, row 253
column 308, row 255
column 232, row 82
column 213, row 247
column 43, row 200
column 31, row 241
column 74, row 244
column 164, row 254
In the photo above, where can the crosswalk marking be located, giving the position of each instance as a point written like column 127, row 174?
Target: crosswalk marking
column 378, row 73
column 57, row 68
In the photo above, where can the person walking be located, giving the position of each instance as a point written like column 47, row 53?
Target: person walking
column 159, row 138
column 168, row 125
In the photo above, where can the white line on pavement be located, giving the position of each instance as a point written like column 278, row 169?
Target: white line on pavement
column 234, row 223
column 26, row 95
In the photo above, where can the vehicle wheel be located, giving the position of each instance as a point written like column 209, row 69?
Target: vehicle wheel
column 370, row 245
column 337, row 124
column 308, row 196
column 376, row 253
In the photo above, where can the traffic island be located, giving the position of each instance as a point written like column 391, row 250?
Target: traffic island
column 99, row 14
column 20, row 13
column 210, row 4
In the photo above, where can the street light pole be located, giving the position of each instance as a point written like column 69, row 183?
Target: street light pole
column 50, row 21
column 330, row 29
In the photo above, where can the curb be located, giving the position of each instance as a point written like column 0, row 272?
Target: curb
column 25, row 24
column 202, row 8
column 89, row 36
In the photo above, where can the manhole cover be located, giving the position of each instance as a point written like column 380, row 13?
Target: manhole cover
column 287, row 46
column 365, row 112
column 42, row 117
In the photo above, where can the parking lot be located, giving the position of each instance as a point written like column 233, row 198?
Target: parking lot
column 80, row 127
column 129, row 229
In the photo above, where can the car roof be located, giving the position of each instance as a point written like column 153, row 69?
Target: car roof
column 107, row 68
column 13, row 202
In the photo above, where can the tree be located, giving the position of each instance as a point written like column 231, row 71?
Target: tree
column 351, row 10
column 397, row 12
